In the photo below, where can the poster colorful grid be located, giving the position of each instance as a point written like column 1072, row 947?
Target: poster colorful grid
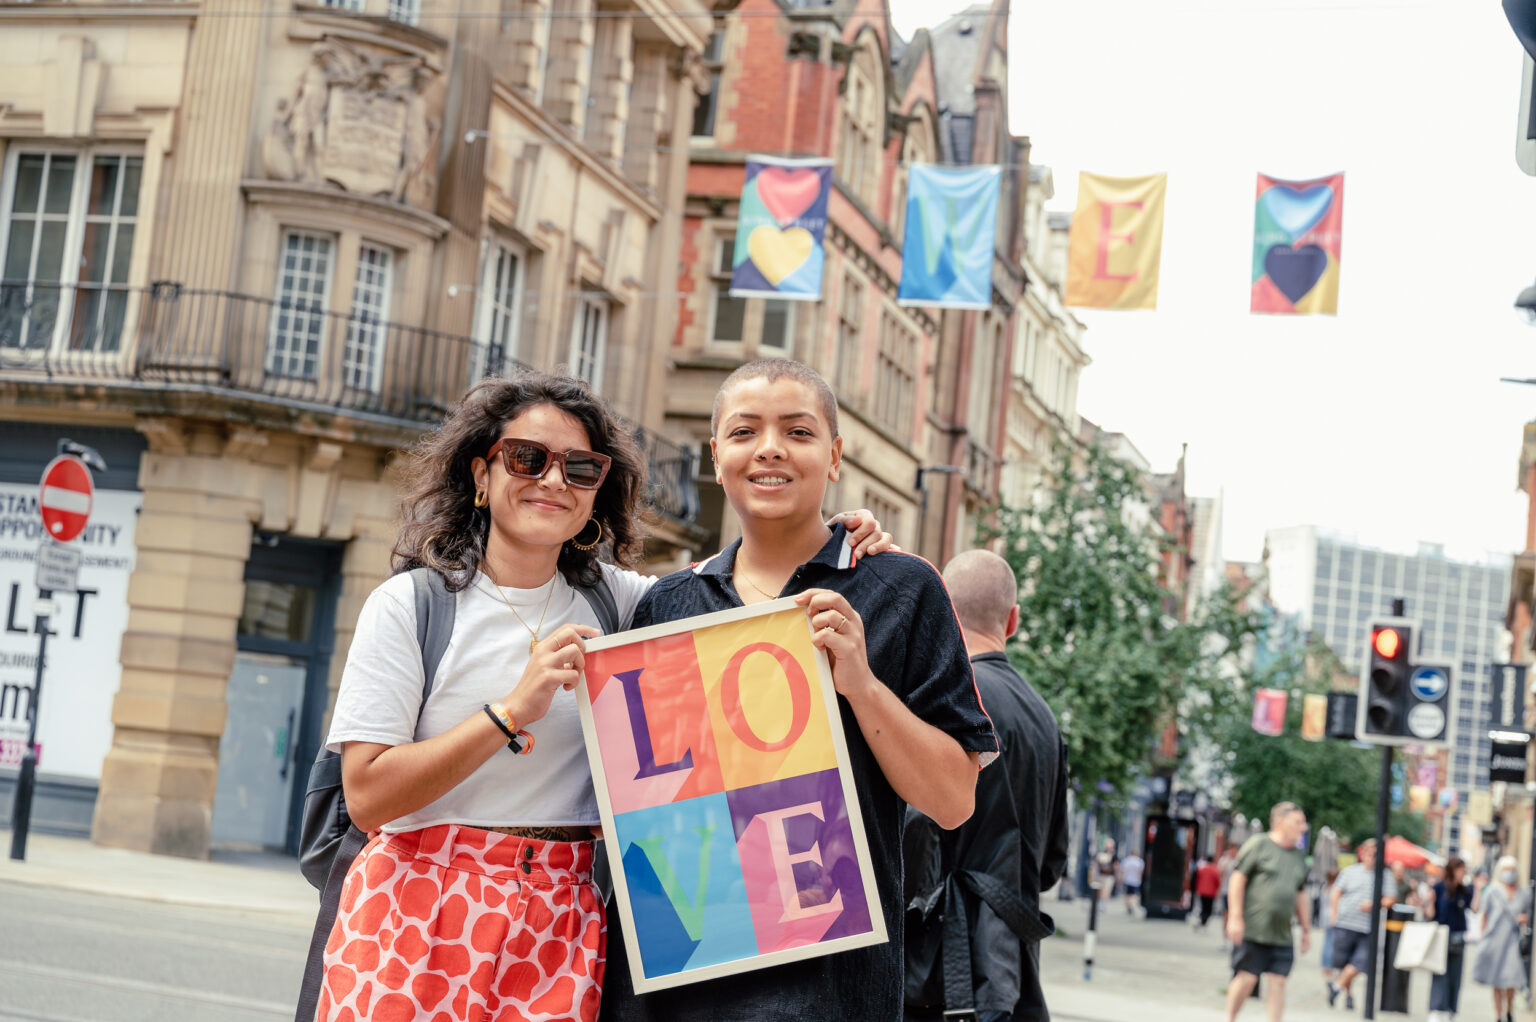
column 730, row 816
column 1298, row 233
column 781, row 229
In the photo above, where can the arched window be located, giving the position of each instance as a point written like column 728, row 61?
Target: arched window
column 858, row 145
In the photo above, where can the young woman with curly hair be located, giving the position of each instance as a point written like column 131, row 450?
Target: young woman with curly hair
column 474, row 899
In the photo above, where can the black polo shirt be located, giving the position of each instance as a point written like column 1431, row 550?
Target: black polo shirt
column 914, row 646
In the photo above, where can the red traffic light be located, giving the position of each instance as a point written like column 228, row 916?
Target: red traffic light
column 1387, row 643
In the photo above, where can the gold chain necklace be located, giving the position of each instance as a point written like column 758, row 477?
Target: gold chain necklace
column 753, row 584
column 531, row 631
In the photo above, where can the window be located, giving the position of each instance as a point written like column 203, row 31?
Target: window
column 68, row 243
column 364, row 352
column 778, row 321
column 887, row 511
column 729, row 320
column 589, row 340
column 498, row 318
column 407, row 12
column 298, row 316
column 896, row 375
column 859, row 126
column 850, row 320
column 343, row 5
column 704, row 110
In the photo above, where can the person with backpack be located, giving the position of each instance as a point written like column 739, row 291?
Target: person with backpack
column 475, row 897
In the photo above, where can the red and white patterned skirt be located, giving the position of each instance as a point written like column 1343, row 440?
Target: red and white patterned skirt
column 459, row 924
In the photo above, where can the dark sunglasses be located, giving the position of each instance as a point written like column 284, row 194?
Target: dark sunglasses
column 530, row 459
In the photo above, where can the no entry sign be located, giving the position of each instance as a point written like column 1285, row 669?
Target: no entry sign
column 65, row 498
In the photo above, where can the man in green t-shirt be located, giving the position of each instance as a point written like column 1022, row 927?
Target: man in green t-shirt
column 1265, row 891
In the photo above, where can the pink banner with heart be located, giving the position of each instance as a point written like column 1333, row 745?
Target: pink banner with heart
column 781, row 229
column 1298, row 235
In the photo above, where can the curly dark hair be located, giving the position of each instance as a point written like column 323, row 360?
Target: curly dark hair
column 442, row 529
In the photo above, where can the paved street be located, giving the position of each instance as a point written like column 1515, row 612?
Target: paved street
column 67, row 955
column 1154, row 970
column 105, row 935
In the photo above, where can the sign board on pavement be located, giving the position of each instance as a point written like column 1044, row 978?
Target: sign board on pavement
column 64, row 497
column 58, row 566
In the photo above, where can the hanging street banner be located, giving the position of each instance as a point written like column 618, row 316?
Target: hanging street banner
column 1269, row 711
column 728, row 805
column 951, row 232
column 1314, row 716
column 1115, row 246
column 1298, row 230
column 781, row 229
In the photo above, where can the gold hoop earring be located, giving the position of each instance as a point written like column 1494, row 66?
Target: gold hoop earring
column 482, row 498
column 596, row 540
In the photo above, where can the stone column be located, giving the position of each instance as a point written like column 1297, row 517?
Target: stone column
column 613, row 69
column 568, row 65
column 650, row 107
column 185, row 596
column 526, row 37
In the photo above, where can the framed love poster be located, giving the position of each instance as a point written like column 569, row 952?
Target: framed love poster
column 781, row 229
column 729, row 812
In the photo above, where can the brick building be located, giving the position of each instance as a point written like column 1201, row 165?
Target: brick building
column 918, row 388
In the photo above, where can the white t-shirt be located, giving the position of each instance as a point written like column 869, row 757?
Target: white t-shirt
column 1130, row 870
column 486, row 655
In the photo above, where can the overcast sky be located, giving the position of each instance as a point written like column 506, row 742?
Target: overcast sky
column 1387, row 422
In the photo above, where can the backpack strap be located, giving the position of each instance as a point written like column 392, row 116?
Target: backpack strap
column 325, row 921
column 435, row 607
column 600, row 596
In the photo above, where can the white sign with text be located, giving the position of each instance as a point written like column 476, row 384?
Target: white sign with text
column 82, row 672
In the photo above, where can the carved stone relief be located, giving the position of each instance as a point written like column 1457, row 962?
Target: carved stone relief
column 364, row 121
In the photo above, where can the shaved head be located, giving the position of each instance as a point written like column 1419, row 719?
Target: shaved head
column 983, row 589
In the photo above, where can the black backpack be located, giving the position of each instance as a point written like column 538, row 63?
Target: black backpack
column 328, row 841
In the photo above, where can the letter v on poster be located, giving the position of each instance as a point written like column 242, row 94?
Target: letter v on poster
column 728, row 806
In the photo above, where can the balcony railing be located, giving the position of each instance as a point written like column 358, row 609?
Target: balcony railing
column 295, row 354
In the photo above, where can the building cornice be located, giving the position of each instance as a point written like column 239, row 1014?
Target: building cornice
column 47, row 10
column 303, row 196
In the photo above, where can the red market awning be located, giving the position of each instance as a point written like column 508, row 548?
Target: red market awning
column 1400, row 849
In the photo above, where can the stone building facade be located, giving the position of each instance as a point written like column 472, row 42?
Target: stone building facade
column 250, row 254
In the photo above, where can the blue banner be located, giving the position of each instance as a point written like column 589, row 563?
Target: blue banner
column 781, row 229
column 946, row 257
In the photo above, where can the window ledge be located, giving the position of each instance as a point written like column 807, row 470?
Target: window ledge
column 331, row 200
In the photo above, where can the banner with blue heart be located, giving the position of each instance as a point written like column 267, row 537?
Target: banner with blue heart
column 946, row 256
column 1297, row 236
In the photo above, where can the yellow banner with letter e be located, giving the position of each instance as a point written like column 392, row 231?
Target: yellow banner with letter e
column 1115, row 246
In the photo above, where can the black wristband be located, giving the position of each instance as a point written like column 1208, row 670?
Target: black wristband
column 512, row 742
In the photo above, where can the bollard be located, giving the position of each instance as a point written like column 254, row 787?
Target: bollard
column 1090, row 935
column 1394, row 981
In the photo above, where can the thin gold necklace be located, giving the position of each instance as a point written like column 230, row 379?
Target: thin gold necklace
column 753, row 584
column 531, row 631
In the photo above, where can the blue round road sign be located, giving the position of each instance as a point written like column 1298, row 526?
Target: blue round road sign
column 1429, row 683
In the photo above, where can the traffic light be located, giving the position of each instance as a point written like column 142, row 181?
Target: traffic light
column 1401, row 702
column 1384, row 696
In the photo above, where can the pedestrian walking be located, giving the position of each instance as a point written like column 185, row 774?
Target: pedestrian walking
column 1449, row 902
column 1131, row 869
column 1105, row 872
column 1207, row 887
column 914, row 726
column 1323, row 899
column 1017, row 838
column 1506, row 907
column 477, row 890
column 1266, row 891
column 1350, row 906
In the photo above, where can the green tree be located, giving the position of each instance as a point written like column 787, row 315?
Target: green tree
column 1334, row 781
column 1098, row 633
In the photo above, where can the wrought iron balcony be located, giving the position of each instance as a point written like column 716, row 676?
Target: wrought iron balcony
column 168, row 338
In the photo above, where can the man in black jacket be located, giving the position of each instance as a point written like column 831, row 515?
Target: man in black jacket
column 994, row 866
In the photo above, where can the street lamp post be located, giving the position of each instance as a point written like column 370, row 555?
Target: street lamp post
column 923, row 471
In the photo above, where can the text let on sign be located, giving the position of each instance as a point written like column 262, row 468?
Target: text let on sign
column 722, row 776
